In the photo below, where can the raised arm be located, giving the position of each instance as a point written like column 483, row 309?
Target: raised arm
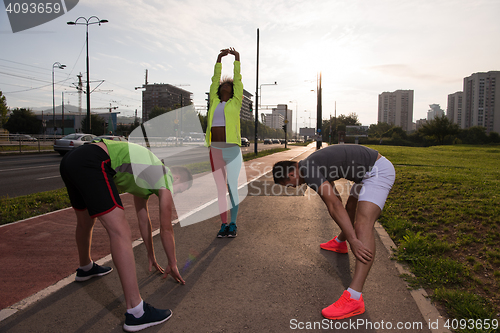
column 339, row 214
column 167, row 234
column 141, row 209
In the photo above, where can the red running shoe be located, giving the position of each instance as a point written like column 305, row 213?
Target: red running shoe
column 345, row 307
column 334, row 246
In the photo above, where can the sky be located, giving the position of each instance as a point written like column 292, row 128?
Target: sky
column 361, row 48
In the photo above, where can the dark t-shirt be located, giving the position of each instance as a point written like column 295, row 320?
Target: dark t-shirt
column 347, row 161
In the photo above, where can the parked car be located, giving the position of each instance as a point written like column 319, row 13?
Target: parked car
column 22, row 137
column 65, row 144
column 268, row 141
column 276, row 141
column 245, row 142
column 110, row 137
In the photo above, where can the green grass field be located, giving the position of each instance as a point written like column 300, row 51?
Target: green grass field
column 444, row 214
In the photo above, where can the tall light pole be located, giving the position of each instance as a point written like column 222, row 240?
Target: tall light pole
column 87, row 23
column 260, row 89
column 296, row 111
column 58, row 65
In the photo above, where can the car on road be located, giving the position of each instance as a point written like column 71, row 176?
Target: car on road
column 22, row 137
column 245, row 142
column 67, row 143
column 110, row 137
column 268, row 141
column 276, row 141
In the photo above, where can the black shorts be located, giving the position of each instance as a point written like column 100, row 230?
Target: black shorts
column 88, row 176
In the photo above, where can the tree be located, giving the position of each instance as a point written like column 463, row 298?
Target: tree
column 157, row 111
column 339, row 124
column 438, row 128
column 3, row 110
column 23, row 121
column 98, row 124
column 378, row 130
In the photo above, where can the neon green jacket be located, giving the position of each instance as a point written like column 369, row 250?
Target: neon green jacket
column 138, row 170
column 232, row 108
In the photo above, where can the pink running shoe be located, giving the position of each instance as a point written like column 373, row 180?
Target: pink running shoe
column 345, row 307
column 334, row 246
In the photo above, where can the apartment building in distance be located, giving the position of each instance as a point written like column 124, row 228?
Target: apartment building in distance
column 274, row 120
column 454, row 108
column 480, row 101
column 435, row 111
column 163, row 95
column 396, row 108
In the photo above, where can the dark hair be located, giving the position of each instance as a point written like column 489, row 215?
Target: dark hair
column 184, row 174
column 225, row 80
column 282, row 169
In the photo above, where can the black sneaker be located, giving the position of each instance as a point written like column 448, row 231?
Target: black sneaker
column 96, row 270
column 151, row 317
column 223, row 231
column 231, row 232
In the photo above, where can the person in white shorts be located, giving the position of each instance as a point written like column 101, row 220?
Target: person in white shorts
column 373, row 176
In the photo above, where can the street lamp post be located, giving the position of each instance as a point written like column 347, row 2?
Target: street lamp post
column 58, row 65
column 87, row 23
column 296, row 115
column 260, row 89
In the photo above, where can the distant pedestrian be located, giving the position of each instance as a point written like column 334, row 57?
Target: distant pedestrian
column 373, row 176
column 224, row 139
column 94, row 174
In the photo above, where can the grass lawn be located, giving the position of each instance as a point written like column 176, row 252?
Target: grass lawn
column 444, row 214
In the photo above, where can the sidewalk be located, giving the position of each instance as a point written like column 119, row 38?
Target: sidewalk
column 268, row 279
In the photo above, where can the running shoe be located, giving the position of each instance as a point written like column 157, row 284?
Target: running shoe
column 96, row 270
column 151, row 317
column 231, row 231
column 334, row 246
column 345, row 307
column 223, row 230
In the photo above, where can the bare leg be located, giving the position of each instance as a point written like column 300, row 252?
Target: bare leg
column 83, row 236
column 120, row 238
column 366, row 215
column 351, row 205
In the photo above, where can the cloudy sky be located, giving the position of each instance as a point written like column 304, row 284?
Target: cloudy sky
column 362, row 49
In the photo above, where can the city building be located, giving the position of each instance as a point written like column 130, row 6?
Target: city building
column 274, row 120
column 396, row 108
column 434, row 112
column 419, row 123
column 246, row 112
column 163, row 95
column 287, row 114
column 480, row 107
column 454, row 108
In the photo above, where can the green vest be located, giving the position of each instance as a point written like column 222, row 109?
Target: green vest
column 138, row 170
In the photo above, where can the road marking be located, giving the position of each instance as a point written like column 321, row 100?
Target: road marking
column 37, row 167
column 48, row 177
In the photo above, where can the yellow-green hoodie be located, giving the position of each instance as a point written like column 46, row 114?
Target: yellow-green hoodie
column 232, row 108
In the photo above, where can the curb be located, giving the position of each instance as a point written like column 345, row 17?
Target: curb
column 420, row 296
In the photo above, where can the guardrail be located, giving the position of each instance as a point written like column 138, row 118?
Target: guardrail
column 26, row 142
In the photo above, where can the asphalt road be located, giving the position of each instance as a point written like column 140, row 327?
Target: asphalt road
column 27, row 174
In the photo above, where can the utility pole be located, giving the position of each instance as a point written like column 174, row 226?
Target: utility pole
column 257, row 96
column 62, row 106
column 319, row 138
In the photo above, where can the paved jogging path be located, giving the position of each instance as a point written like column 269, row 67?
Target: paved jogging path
column 273, row 277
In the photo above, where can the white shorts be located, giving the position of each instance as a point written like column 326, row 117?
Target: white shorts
column 376, row 184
